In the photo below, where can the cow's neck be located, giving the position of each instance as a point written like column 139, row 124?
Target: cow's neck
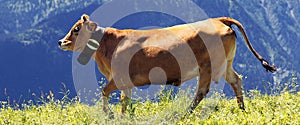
column 110, row 40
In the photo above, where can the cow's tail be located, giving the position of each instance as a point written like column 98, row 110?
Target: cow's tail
column 229, row 21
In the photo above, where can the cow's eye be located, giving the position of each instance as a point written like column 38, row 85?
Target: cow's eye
column 76, row 29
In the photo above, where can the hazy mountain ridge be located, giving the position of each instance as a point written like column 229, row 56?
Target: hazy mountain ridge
column 276, row 32
column 24, row 14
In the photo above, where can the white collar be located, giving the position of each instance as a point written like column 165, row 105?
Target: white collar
column 98, row 34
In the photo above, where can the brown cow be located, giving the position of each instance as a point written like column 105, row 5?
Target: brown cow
column 148, row 49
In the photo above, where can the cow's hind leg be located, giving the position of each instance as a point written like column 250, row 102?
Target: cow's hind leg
column 236, row 84
column 125, row 99
column 203, row 89
column 111, row 86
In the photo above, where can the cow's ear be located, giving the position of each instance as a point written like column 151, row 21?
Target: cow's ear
column 92, row 26
column 85, row 17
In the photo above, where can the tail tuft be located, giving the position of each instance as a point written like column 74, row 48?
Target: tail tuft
column 267, row 66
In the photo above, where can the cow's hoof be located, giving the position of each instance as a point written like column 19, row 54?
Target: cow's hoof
column 241, row 106
column 111, row 115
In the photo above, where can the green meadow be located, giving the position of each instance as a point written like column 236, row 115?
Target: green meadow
column 282, row 108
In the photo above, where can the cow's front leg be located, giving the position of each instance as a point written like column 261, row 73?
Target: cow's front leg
column 111, row 86
column 125, row 99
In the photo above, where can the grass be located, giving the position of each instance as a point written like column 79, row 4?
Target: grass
column 260, row 109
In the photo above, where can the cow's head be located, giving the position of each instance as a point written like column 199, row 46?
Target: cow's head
column 79, row 34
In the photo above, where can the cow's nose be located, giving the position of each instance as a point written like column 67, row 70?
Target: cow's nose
column 60, row 42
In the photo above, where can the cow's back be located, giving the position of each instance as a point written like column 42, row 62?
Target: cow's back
column 179, row 51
